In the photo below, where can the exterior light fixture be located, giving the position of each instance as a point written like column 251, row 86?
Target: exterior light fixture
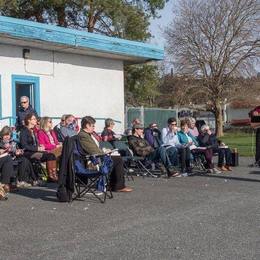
column 26, row 53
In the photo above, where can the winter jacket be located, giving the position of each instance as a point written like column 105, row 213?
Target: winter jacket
column 21, row 115
column 45, row 141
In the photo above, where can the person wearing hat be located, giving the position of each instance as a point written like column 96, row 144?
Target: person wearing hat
column 142, row 148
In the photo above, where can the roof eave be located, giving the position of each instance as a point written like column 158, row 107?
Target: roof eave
column 33, row 34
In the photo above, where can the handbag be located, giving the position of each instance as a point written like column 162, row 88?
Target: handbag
column 3, row 194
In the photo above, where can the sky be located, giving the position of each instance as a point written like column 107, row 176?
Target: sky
column 157, row 25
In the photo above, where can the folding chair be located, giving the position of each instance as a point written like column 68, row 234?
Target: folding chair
column 126, row 155
column 198, row 162
column 106, row 144
column 39, row 170
column 140, row 163
column 121, row 150
column 88, row 180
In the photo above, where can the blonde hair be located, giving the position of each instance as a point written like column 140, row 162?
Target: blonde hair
column 44, row 122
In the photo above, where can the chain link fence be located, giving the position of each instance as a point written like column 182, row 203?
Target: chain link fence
column 149, row 115
column 160, row 115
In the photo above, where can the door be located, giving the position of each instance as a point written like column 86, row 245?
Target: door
column 24, row 89
column 25, row 86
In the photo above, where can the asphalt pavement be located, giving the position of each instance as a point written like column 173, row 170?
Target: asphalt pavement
column 196, row 217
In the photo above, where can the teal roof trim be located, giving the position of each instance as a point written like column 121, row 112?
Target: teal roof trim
column 34, row 31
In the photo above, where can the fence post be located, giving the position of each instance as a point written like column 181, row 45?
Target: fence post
column 126, row 117
column 142, row 114
column 177, row 118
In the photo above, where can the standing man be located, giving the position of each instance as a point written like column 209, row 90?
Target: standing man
column 24, row 110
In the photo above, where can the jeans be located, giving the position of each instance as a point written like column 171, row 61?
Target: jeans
column 224, row 153
column 6, row 169
column 185, row 157
column 168, row 156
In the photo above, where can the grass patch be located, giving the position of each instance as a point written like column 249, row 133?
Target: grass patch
column 244, row 142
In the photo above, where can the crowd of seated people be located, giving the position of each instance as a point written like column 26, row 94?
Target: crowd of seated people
column 108, row 134
column 208, row 139
column 142, row 147
column 170, row 137
column 173, row 147
column 187, row 139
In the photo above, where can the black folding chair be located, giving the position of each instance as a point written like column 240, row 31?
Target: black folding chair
column 198, row 162
column 111, row 146
column 92, row 181
column 126, row 155
column 106, row 144
column 141, row 162
column 39, row 170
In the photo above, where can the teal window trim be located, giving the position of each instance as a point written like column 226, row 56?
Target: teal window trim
column 29, row 80
column 1, row 104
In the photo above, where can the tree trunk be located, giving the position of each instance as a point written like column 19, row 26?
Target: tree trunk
column 219, row 120
column 61, row 16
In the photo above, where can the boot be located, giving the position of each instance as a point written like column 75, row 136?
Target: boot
column 52, row 170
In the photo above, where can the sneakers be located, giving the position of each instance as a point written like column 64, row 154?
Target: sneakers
column 172, row 173
column 23, row 184
column 216, row 171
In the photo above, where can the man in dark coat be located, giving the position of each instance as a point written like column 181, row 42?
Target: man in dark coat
column 141, row 147
column 24, row 110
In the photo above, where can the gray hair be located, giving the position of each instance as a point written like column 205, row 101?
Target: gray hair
column 204, row 127
column 192, row 120
column 109, row 122
column 24, row 97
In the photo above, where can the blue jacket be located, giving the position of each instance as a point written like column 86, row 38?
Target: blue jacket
column 183, row 139
column 153, row 137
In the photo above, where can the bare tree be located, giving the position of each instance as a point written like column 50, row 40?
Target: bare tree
column 215, row 41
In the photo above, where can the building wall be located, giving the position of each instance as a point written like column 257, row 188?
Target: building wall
column 69, row 83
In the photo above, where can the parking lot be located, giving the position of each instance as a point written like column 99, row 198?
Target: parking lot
column 197, row 217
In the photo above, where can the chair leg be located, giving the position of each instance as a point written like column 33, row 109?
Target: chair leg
column 126, row 168
column 82, row 188
column 147, row 172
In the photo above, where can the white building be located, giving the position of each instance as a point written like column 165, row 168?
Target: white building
column 65, row 71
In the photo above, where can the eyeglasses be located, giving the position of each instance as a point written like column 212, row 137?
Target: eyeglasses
column 24, row 102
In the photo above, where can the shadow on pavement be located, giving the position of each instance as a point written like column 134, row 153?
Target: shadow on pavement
column 255, row 172
column 38, row 193
column 231, row 178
